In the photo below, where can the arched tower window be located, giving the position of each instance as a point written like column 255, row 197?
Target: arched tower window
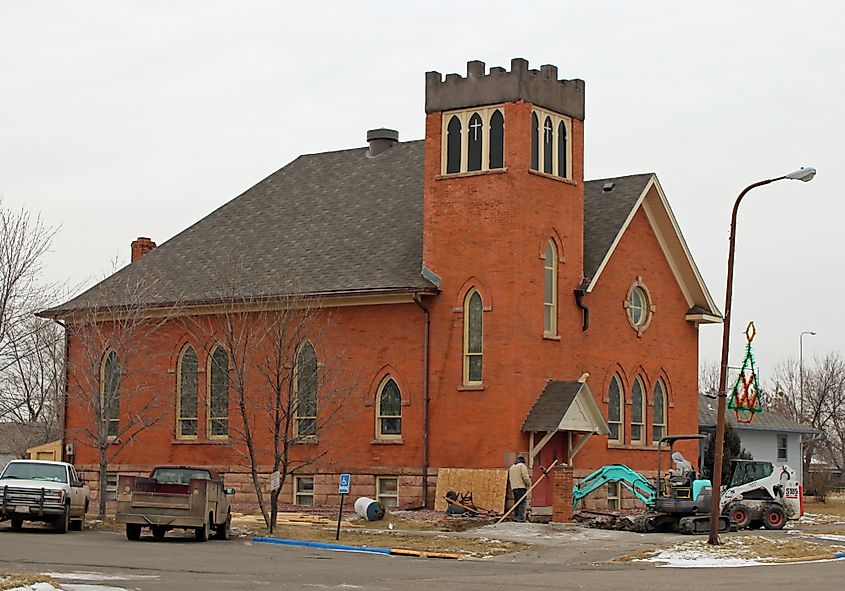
column 473, row 337
column 658, row 417
column 475, row 140
column 497, row 140
column 535, row 142
column 615, row 411
column 305, row 388
column 548, row 142
column 218, row 394
column 562, row 154
column 110, row 394
column 638, row 412
column 389, row 411
column 186, row 409
column 550, row 290
column 453, row 145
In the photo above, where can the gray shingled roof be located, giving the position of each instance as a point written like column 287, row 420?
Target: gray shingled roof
column 325, row 223
column 604, row 214
column 764, row 421
column 551, row 406
column 336, row 222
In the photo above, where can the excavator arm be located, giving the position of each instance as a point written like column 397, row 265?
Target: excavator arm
column 635, row 482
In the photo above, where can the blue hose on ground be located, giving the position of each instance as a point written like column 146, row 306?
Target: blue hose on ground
column 322, row 545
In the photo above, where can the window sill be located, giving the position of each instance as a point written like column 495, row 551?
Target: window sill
column 199, row 441
column 478, row 388
column 636, row 446
column 552, row 177
column 460, row 175
column 387, row 442
column 551, row 337
column 309, row 441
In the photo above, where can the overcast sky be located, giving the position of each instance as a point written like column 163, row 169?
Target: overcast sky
column 126, row 119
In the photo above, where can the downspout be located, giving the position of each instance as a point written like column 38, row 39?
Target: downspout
column 580, row 292
column 64, row 390
column 425, row 399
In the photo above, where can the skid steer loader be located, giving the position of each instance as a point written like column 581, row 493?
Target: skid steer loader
column 762, row 494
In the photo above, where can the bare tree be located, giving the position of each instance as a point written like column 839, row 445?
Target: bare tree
column 822, row 407
column 289, row 370
column 111, row 361
column 32, row 385
column 262, row 338
column 708, row 379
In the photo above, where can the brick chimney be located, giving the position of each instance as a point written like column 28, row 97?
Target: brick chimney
column 140, row 247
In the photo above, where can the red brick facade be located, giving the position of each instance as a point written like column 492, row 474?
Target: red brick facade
column 487, row 231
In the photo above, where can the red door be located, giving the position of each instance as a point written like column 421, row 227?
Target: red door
column 555, row 449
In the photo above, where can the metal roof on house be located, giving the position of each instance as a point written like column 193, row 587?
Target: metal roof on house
column 325, row 224
column 764, row 421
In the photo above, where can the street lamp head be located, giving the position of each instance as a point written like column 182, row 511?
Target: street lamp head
column 812, row 333
column 804, row 174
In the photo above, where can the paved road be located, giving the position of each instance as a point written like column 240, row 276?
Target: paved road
column 238, row 564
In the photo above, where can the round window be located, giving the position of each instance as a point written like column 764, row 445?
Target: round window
column 638, row 306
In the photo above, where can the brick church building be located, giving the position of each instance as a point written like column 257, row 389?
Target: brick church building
column 479, row 299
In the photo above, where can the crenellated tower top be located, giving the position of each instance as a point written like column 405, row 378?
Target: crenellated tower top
column 538, row 87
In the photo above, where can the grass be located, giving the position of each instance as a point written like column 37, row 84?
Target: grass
column 11, row 581
column 833, row 506
column 758, row 548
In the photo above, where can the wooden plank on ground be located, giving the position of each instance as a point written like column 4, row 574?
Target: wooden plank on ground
column 488, row 486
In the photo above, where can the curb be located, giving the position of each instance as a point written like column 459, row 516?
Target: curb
column 363, row 549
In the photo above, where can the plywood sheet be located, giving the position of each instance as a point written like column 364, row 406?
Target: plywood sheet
column 488, row 486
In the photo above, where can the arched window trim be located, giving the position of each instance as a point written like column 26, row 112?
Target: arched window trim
column 659, row 429
column 485, row 113
column 112, row 426
column 300, row 417
column 210, row 418
column 563, row 138
column 550, row 272
column 179, row 385
column 556, row 120
column 466, row 353
column 638, row 421
column 380, row 434
column 448, row 151
column 549, row 151
column 620, row 439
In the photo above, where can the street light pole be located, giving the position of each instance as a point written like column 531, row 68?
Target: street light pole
column 804, row 174
column 801, row 373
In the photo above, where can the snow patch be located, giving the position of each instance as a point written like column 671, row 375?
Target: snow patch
column 91, row 576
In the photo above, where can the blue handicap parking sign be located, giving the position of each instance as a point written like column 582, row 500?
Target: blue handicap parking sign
column 343, row 487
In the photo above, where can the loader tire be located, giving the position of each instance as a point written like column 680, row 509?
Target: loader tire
column 774, row 518
column 740, row 516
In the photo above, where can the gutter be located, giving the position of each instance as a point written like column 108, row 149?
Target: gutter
column 426, row 338
column 580, row 292
column 64, row 389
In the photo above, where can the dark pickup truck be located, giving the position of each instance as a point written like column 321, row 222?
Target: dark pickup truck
column 174, row 497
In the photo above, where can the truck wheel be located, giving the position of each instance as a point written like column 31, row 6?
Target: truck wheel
column 133, row 531
column 773, row 518
column 740, row 516
column 158, row 532
column 222, row 531
column 63, row 523
column 17, row 524
column 202, row 533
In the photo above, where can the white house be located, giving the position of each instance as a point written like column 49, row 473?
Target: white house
column 768, row 437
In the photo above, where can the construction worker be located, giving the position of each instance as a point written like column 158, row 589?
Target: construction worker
column 520, row 482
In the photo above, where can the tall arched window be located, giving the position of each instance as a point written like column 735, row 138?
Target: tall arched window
column 550, row 290
column 186, row 405
column 497, row 140
column 475, row 140
column 110, row 394
column 638, row 412
column 535, row 142
column 453, row 146
column 473, row 337
column 658, row 417
column 218, row 394
column 562, row 154
column 548, row 142
column 389, row 411
column 305, row 388
column 615, row 411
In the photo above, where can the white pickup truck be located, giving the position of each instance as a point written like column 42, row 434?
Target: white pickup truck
column 36, row 490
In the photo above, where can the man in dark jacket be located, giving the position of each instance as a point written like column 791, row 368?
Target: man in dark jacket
column 520, row 482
